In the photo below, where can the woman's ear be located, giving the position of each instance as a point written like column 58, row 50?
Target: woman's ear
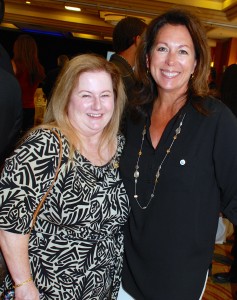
column 147, row 62
column 137, row 40
column 194, row 66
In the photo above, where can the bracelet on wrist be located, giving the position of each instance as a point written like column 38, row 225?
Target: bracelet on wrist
column 22, row 283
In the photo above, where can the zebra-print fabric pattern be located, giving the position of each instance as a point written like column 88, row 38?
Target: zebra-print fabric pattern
column 76, row 246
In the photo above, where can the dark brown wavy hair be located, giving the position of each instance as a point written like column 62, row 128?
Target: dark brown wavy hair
column 147, row 90
column 26, row 57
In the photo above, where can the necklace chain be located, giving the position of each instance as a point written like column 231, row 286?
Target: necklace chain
column 157, row 175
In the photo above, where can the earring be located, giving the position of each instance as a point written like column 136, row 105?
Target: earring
column 147, row 71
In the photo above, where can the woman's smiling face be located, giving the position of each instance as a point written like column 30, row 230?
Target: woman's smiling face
column 172, row 60
column 91, row 103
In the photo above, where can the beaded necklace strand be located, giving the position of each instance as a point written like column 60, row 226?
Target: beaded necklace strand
column 157, row 175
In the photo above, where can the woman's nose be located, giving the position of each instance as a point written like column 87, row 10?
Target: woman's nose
column 170, row 59
column 96, row 103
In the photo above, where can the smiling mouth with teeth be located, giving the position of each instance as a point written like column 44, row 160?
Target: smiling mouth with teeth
column 94, row 115
column 170, row 74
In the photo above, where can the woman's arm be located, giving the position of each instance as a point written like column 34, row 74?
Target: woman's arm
column 15, row 250
column 22, row 186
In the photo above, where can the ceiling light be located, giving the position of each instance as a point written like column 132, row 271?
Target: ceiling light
column 113, row 19
column 74, row 8
column 85, row 36
column 28, row 2
column 8, row 25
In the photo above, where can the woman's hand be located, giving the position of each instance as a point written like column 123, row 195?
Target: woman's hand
column 18, row 264
column 27, row 292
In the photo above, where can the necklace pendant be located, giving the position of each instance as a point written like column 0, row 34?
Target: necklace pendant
column 136, row 174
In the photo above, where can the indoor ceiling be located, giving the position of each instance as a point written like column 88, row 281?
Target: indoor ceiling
column 97, row 18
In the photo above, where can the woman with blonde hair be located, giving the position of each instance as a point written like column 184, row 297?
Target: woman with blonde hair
column 75, row 249
column 29, row 72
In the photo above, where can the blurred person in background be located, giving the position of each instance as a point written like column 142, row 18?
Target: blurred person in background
column 51, row 77
column 5, row 61
column 30, row 73
column 126, row 38
column 228, row 91
column 10, row 100
column 212, row 83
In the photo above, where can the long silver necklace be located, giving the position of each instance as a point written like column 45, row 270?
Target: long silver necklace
column 157, row 175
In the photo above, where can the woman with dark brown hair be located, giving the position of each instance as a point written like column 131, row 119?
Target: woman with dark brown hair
column 179, row 164
column 29, row 73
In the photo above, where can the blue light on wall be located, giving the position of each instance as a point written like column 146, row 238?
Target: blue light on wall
column 53, row 33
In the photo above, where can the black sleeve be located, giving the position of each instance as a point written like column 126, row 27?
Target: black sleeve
column 225, row 159
column 10, row 113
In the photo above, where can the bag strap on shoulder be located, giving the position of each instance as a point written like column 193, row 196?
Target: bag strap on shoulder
column 54, row 179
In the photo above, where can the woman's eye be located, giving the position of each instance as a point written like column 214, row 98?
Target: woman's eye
column 162, row 49
column 183, row 51
column 105, row 95
column 85, row 96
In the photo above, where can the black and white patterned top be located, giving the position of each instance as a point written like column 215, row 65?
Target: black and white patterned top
column 76, row 246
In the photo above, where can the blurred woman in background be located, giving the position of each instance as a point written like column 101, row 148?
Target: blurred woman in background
column 29, row 73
